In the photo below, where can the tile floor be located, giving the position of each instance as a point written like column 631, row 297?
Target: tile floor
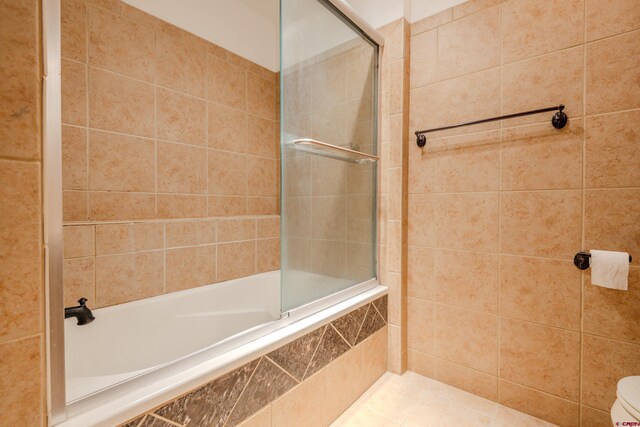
column 412, row 400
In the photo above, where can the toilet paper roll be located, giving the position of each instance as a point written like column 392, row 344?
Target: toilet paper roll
column 610, row 269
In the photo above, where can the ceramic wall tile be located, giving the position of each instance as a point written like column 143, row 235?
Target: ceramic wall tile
column 557, row 79
column 611, row 313
column 181, row 61
column 544, row 224
column 609, row 221
column 180, row 118
column 190, row 267
column 227, row 128
column 120, row 104
column 74, row 93
column 530, row 355
column 469, row 44
column 424, row 54
column 612, row 158
column 226, row 83
column 470, row 380
column 75, row 174
column 110, row 46
column 617, row 56
column 22, row 402
column 21, row 81
column 467, row 221
column 121, row 163
column 181, row 206
column 467, row 337
column 540, row 290
column 79, row 241
column 538, row 157
column 604, row 19
column 602, row 369
column 235, row 260
column 73, row 28
column 21, row 262
column 472, row 6
column 127, row 277
column 469, row 279
column 541, row 405
column 79, row 281
column 267, row 255
column 181, row 168
column 531, row 29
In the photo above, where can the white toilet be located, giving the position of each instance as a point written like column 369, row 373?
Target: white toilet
column 626, row 408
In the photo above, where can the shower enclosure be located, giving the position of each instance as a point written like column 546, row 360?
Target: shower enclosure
column 329, row 152
column 328, row 159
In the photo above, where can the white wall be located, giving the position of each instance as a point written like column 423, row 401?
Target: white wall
column 248, row 28
column 381, row 12
column 420, row 9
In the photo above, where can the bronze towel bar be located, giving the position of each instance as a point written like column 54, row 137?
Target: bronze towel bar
column 559, row 120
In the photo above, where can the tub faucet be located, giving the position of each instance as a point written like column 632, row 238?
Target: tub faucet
column 81, row 312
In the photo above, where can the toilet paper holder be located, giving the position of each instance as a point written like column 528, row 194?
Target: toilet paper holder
column 581, row 260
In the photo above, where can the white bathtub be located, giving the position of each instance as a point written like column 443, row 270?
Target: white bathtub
column 130, row 339
column 138, row 355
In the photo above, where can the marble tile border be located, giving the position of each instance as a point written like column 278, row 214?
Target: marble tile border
column 235, row 396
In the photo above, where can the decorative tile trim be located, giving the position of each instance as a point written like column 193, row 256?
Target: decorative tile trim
column 235, row 396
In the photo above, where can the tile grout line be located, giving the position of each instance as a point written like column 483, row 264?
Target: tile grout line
column 342, row 336
column 378, row 311
column 163, row 140
column 500, row 171
column 544, row 392
column 364, row 318
column 88, row 162
column 472, row 310
column 304, row 375
column 17, row 339
column 88, row 118
column 233, row 408
column 452, row 362
column 144, row 417
column 503, row 254
column 266, row 356
column 206, row 133
column 432, row 193
column 583, row 206
column 166, row 420
column 164, row 258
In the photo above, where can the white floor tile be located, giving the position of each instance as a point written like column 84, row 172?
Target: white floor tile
column 444, row 413
column 363, row 417
column 412, row 400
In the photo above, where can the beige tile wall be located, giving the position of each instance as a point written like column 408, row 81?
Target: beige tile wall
column 392, row 215
column 497, row 211
column 158, row 126
column 113, row 263
column 22, row 384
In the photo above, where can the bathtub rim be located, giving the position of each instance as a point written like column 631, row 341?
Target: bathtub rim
column 120, row 404
column 221, row 346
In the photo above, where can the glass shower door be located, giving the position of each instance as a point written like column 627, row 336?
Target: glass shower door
column 329, row 152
